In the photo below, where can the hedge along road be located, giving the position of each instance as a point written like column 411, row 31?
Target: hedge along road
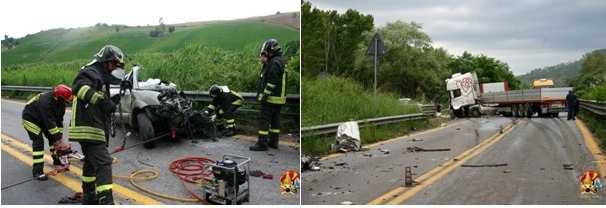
column 534, row 150
column 264, row 191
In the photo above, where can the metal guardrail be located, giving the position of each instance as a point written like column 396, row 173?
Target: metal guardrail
column 194, row 95
column 596, row 107
column 427, row 111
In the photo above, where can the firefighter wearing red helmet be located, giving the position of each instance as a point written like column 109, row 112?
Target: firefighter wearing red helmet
column 43, row 117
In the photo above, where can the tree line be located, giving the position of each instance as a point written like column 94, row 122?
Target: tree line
column 335, row 44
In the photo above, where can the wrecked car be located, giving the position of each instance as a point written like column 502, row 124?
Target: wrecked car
column 153, row 108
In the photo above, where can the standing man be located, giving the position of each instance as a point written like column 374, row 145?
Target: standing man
column 90, row 123
column 571, row 104
column 43, row 114
column 225, row 103
column 271, row 92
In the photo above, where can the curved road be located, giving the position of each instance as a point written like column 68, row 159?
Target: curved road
column 534, row 150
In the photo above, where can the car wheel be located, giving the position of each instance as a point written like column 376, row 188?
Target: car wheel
column 146, row 130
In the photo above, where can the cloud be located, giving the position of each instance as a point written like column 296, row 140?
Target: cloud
column 525, row 34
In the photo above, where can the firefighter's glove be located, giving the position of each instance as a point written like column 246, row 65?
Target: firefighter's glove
column 108, row 106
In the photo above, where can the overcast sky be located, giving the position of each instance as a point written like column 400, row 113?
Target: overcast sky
column 525, row 34
column 22, row 17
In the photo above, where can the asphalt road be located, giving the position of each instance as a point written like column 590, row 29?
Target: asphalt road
column 535, row 151
column 264, row 191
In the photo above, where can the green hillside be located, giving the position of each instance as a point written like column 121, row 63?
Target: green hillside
column 60, row 45
column 562, row 74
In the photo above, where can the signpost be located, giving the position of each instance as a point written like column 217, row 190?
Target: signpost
column 376, row 48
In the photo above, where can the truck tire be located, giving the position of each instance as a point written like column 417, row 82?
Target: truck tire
column 146, row 130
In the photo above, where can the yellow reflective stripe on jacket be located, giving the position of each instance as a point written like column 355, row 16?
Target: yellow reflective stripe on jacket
column 82, row 92
column 277, row 131
column 105, row 187
column 230, row 120
column 55, row 130
column 74, row 108
column 80, row 133
column 41, row 160
column 33, row 99
column 38, row 153
column 270, row 85
column 266, row 91
column 31, row 127
column 97, row 96
column 88, row 179
column 237, row 102
column 282, row 98
column 211, row 106
column 263, row 132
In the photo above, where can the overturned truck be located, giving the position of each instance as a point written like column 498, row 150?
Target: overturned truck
column 154, row 108
column 468, row 97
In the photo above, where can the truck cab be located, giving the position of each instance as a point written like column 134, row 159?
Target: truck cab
column 464, row 93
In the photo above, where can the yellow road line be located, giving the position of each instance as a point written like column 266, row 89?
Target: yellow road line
column 334, row 155
column 121, row 190
column 68, row 182
column 592, row 145
column 401, row 194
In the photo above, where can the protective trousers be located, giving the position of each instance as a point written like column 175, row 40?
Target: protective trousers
column 35, row 134
column 269, row 124
column 96, row 174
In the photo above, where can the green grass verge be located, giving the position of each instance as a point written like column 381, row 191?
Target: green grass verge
column 597, row 126
column 320, row 145
column 194, row 67
column 334, row 99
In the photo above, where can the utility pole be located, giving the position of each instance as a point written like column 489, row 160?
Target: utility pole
column 376, row 49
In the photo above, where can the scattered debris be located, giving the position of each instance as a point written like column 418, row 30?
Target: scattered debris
column 346, row 203
column 384, row 151
column 568, row 166
column 310, row 163
column 416, row 140
column 268, row 176
column 542, row 168
column 367, row 155
column 506, row 171
column 458, row 129
column 408, row 181
column 419, row 149
column 484, row 165
column 348, row 138
column 341, row 164
column 257, row 173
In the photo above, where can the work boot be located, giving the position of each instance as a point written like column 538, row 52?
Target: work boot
column 273, row 140
column 106, row 197
column 40, row 177
column 228, row 132
column 261, row 145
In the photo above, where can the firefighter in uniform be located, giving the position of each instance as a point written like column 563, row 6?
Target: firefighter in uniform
column 271, row 92
column 225, row 103
column 571, row 104
column 43, row 114
column 89, row 126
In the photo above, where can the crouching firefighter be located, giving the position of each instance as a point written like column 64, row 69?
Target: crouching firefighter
column 91, row 111
column 43, row 114
column 271, row 92
column 225, row 103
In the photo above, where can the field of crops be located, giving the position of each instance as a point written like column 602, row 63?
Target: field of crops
column 192, row 57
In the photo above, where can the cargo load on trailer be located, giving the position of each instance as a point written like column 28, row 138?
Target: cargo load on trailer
column 467, row 96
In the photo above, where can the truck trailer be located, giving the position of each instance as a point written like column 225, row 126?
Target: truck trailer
column 467, row 96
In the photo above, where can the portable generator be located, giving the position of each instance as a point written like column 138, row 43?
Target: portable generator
column 230, row 183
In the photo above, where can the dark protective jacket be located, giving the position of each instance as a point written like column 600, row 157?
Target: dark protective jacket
column 43, row 113
column 91, row 108
column 224, row 100
column 271, row 87
column 571, row 101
